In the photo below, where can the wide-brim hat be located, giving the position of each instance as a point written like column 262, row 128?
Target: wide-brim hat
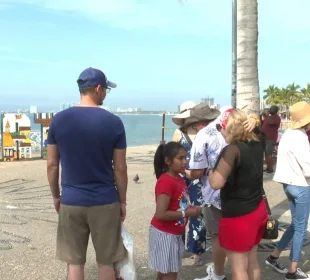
column 203, row 112
column 300, row 114
column 185, row 108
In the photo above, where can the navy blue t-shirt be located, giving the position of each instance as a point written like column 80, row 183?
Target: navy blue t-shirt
column 86, row 138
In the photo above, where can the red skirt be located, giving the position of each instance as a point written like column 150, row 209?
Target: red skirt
column 242, row 233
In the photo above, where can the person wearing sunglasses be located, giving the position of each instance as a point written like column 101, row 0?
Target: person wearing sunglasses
column 90, row 142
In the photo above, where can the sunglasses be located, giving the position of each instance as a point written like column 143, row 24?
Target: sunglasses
column 219, row 127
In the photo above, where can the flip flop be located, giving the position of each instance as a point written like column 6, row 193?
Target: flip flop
column 197, row 261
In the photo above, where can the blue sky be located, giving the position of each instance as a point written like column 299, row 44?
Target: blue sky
column 159, row 52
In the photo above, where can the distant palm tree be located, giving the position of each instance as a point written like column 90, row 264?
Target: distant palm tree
column 272, row 95
column 247, row 53
column 294, row 94
column 306, row 93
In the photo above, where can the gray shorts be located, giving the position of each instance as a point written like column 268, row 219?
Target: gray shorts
column 212, row 216
column 269, row 148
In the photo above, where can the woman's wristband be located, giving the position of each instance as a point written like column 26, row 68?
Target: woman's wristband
column 123, row 204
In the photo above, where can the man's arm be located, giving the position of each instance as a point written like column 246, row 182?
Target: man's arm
column 120, row 173
column 198, row 161
column 53, row 159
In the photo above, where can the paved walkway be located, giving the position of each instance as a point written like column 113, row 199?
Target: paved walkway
column 28, row 222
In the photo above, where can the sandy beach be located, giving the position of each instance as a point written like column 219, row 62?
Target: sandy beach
column 28, row 222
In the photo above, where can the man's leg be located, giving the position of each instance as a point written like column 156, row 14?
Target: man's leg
column 105, row 229
column 218, row 256
column 268, row 155
column 72, row 240
column 212, row 220
column 75, row 272
column 106, row 272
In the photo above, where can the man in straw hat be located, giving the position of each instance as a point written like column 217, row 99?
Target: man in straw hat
column 293, row 171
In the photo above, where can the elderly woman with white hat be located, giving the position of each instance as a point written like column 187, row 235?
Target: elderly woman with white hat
column 293, row 171
column 185, row 135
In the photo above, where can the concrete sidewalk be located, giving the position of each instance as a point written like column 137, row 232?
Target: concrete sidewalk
column 28, row 222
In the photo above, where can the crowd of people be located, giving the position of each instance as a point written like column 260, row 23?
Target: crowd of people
column 209, row 181
column 215, row 161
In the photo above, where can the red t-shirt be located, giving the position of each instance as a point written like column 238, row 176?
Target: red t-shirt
column 176, row 188
column 271, row 129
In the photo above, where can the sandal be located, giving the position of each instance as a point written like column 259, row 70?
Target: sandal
column 197, row 260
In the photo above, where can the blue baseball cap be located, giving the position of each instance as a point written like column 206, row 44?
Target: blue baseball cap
column 92, row 77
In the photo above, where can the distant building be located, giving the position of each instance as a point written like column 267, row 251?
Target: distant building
column 262, row 104
column 33, row 109
column 62, row 106
column 209, row 101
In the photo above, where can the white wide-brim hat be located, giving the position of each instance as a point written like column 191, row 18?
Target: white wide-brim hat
column 184, row 112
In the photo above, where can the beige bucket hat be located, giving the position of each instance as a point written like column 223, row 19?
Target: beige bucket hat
column 300, row 114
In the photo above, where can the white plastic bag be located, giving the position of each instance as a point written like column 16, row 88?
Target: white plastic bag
column 125, row 269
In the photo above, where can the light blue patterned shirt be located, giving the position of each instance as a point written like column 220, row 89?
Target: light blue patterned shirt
column 206, row 148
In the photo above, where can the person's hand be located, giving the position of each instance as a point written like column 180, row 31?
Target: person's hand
column 188, row 174
column 123, row 211
column 56, row 203
column 249, row 124
column 193, row 211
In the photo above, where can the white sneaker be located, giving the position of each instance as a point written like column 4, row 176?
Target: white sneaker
column 211, row 276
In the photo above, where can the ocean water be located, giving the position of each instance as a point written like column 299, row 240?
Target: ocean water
column 146, row 129
column 140, row 130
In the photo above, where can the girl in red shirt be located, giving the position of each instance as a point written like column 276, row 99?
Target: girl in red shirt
column 172, row 211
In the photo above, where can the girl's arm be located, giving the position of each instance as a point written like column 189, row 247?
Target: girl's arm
column 162, row 212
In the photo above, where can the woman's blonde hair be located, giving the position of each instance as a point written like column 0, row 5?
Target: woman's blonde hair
column 235, row 129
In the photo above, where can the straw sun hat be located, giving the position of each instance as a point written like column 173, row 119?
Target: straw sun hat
column 300, row 114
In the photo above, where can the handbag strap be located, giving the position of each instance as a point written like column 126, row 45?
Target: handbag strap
column 266, row 202
column 188, row 139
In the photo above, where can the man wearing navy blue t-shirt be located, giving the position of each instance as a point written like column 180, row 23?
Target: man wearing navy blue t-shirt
column 90, row 144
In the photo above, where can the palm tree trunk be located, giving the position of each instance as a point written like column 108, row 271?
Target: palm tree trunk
column 247, row 69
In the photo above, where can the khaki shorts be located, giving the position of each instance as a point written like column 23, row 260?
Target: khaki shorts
column 212, row 216
column 103, row 223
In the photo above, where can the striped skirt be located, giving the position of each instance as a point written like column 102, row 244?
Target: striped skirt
column 165, row 251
